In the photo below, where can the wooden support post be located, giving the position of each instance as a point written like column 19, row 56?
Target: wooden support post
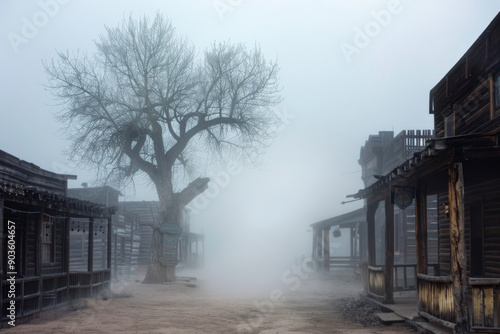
column 370, row 220
column 356, row 251
column 326, row 249
column 67, row 240
column 457, row 244
column 90, row 256
column 2, row 251
column 421, row 230
column 319, row 249
column 109, row 243
column 203, row 249
column 389, row 252
column 314, row 243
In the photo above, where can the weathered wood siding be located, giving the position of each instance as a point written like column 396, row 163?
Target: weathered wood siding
column 126, row 243
column 148, row 215
column 477, row 190
column 465, row 93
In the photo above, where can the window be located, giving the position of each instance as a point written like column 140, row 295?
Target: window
column 449, row 125
column 77, row 248
column 48, row 234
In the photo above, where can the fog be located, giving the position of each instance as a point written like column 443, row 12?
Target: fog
column 348, row 68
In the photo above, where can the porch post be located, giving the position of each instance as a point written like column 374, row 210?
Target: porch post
column 2, row 251
column 314, row 243
column 326, row 249
column 319, row 249
column 421, row 230
column 109, row 241
column 389, row 252
column 90, row 256
column 457, row 244
column 370, row 220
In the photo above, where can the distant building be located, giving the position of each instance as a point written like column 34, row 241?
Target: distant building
column 191, row 245
column 126, row 237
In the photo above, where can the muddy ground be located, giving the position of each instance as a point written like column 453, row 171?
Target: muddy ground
column 302, row 305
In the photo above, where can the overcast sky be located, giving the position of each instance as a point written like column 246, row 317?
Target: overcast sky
column 349, row 68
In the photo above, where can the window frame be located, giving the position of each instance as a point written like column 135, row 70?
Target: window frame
column 48, row 245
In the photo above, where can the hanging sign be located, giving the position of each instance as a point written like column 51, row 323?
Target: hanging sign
column 402, row 196
column 170, row 228
column 169, row 257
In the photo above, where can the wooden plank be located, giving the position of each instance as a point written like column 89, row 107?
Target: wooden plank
column 389, row 252
column 421, row 230
column 326, row 249
column 389, row 318
column 370, row 219
column 477, row 307
column 498, row 306
column 489, row 307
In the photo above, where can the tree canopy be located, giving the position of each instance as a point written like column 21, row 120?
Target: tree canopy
column 145, row 101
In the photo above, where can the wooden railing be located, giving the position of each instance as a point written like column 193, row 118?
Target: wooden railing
column 27, row 296
column 87, row 285
column 405, row 275
column 435, row 299
column 485, row 304
column 376, row 281
column 405, row 278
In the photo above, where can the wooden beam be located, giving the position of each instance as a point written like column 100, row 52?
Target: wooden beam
column 326, row 249
column 110, row 246
column 389, row 252
column 457, row 244
column 319, row 247
column 314, row 242
column 2, row 249
column 66, row 258
column 421, row 229
column 90, row 255
column 370, row 220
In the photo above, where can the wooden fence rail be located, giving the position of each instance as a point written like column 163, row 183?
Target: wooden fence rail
column 435, row 299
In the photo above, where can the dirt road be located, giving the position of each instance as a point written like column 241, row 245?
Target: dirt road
column 302, row 306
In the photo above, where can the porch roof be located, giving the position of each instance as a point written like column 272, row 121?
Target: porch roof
column 345, row 220
column 434, row 158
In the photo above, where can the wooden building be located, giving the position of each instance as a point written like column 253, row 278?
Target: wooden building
column 461, row 168
column 191, row 246
column 36, row 217
column 380, row 154
column 126, row 236
column 350, row 223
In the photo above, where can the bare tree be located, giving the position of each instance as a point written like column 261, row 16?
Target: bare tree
column 145, row 103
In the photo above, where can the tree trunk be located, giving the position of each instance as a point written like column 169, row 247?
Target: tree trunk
column 156, row 273
column 171, row 208
column 458, row 251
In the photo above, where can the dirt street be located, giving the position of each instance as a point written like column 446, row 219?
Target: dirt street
column 303, row 306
